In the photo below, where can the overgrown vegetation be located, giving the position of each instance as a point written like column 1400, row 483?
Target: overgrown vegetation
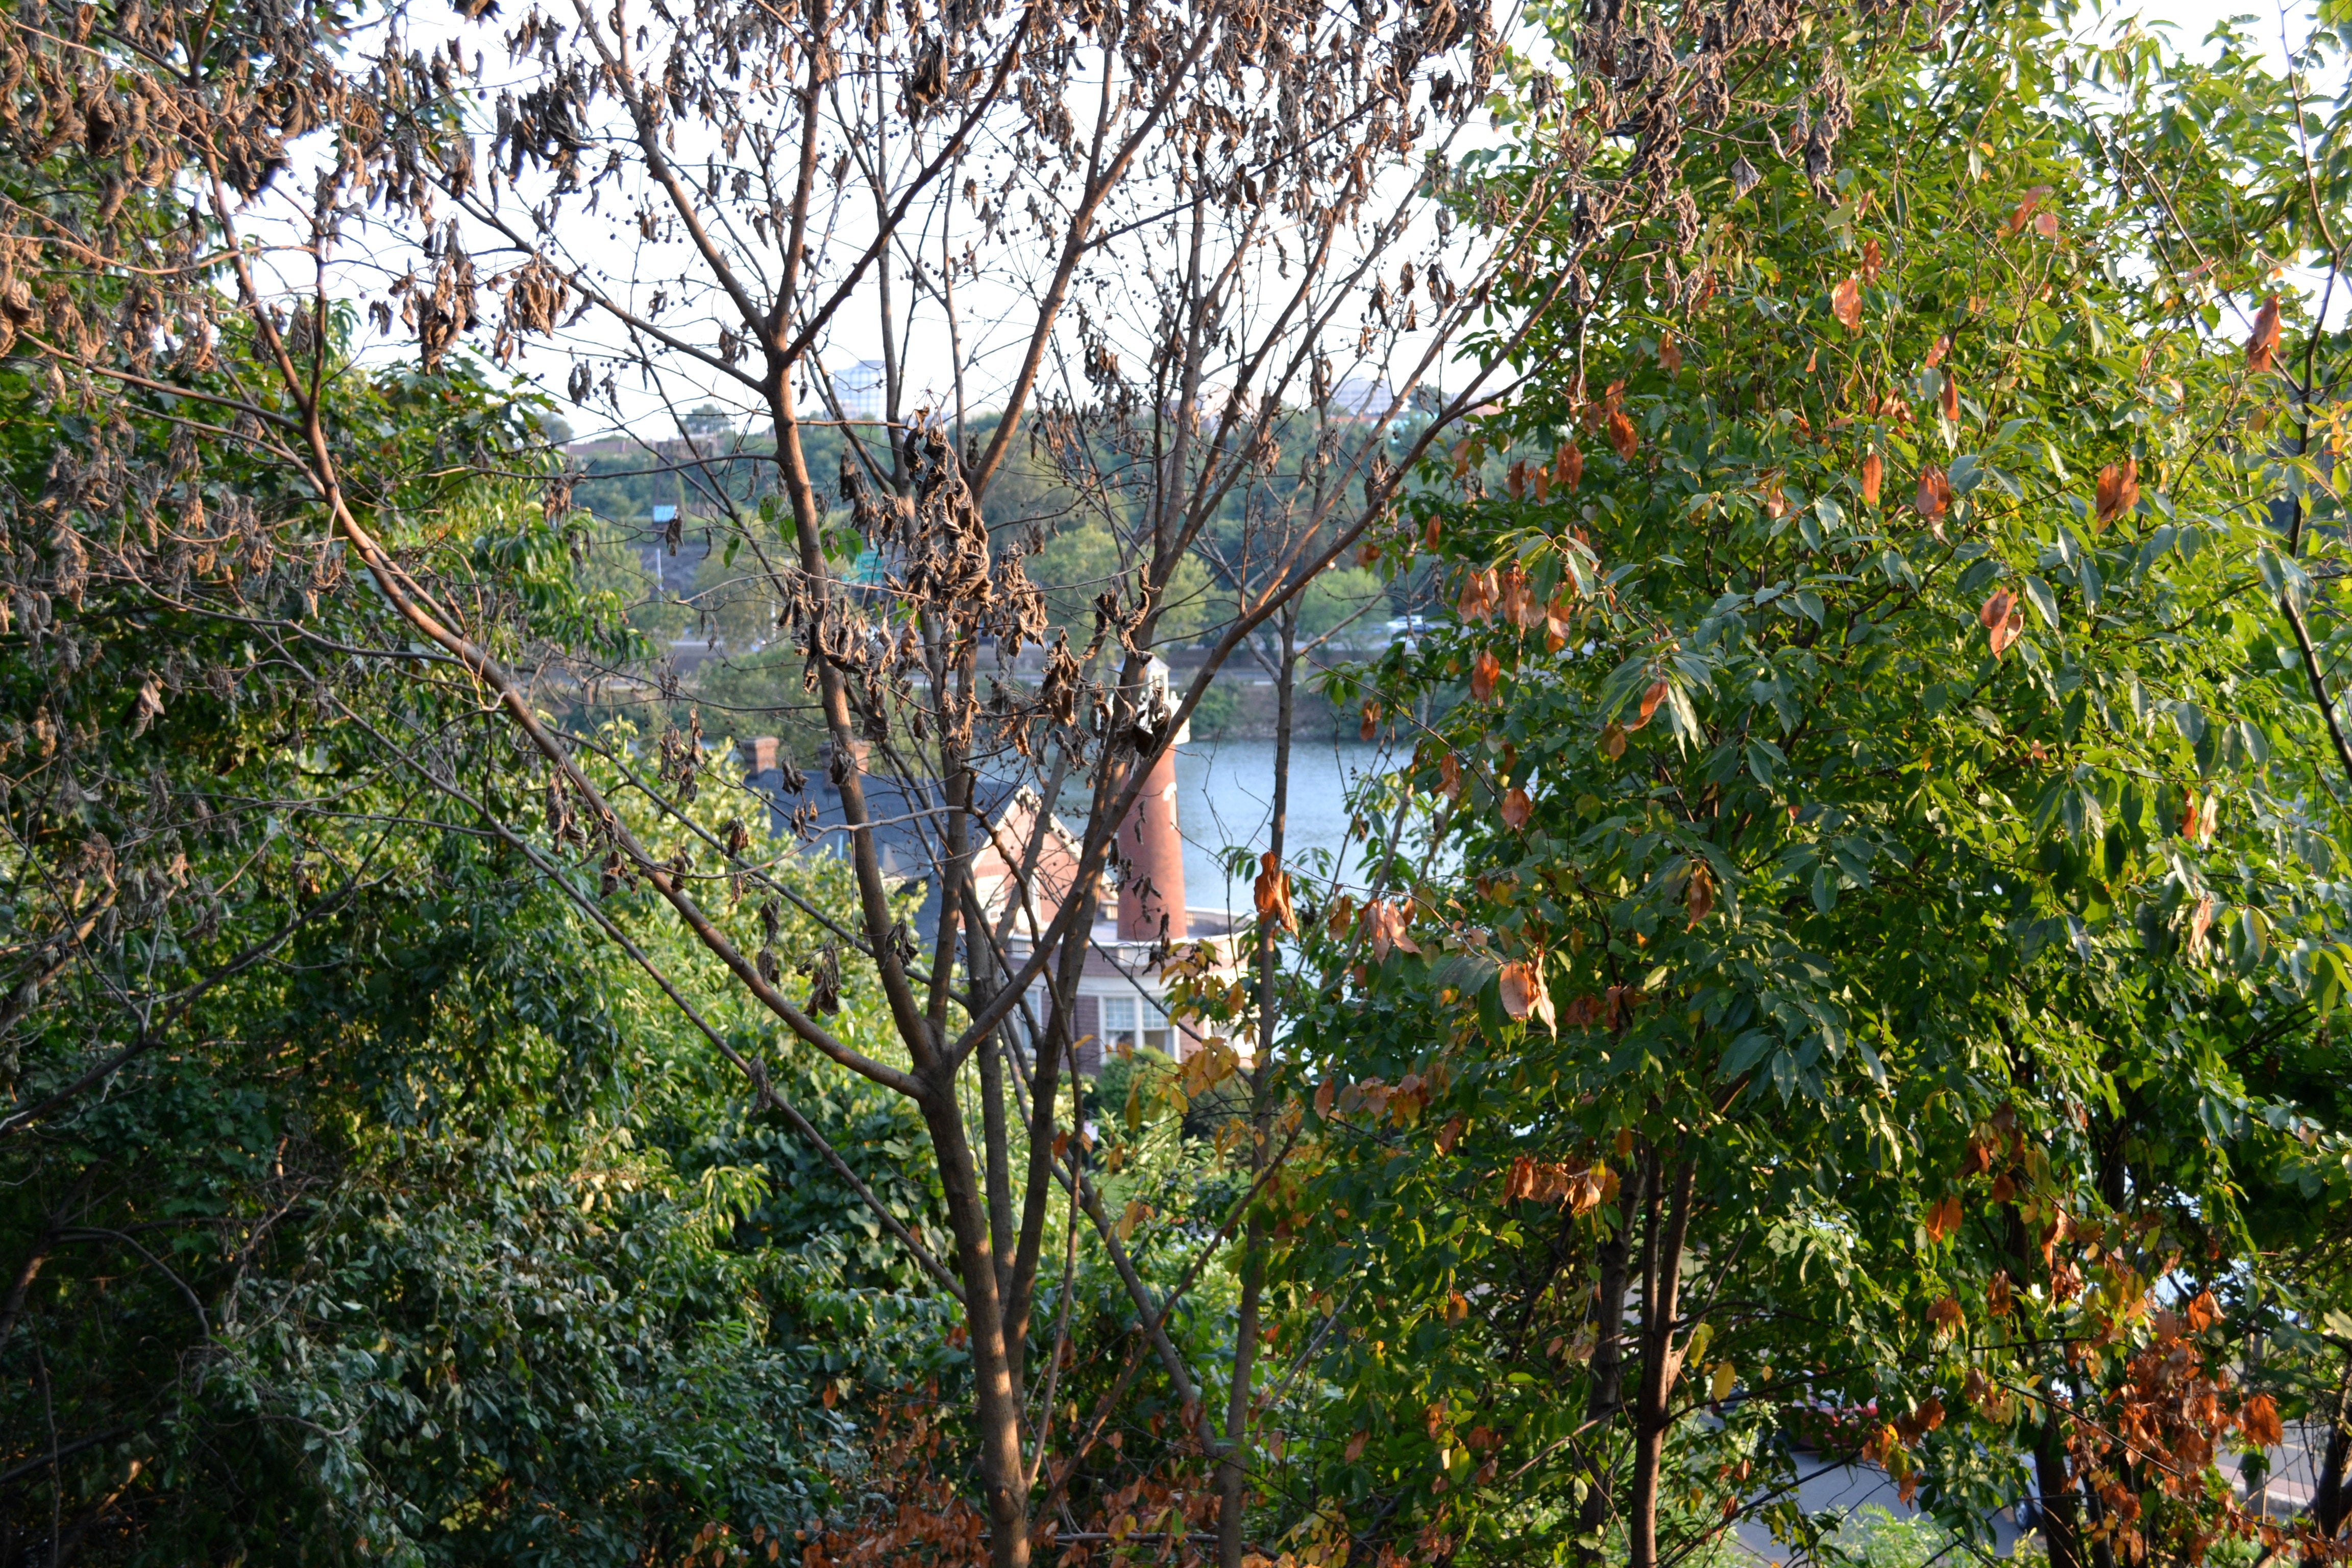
column 1847, row 968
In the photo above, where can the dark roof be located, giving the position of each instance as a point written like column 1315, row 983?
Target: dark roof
column 907, row 827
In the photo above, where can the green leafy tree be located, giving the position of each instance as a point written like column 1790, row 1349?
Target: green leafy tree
column 1869, row 907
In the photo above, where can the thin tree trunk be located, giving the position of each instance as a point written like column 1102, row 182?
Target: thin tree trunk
column 1233, row 1468
column 2059, row 1508
column 1606, row 1394
column 996, row 1402
column 1661, row 1280
column 995, row 1142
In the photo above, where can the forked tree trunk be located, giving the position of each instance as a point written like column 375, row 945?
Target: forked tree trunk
column 996, row 1402
column 1606, row 1394
column 1660, row 1361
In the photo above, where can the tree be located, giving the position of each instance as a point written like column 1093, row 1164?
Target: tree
column 347, row 1211
column 1228, row 241
column 1886, row 792
column 1156, row 335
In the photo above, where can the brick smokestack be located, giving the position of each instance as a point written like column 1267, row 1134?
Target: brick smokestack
column 1154, row 852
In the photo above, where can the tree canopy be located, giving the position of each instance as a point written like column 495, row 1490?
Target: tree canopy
column 1848, row 958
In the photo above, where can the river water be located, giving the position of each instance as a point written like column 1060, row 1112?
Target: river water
column 1224, row 798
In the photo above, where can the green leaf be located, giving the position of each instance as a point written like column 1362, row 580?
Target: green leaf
column 2038, row 593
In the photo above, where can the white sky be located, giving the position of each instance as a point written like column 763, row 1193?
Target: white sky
column 372, row 258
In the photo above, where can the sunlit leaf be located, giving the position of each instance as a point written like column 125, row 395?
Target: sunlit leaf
column 1845, row 303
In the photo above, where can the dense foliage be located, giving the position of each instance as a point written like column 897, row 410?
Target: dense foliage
column 1854, row 960
column 1854, row 969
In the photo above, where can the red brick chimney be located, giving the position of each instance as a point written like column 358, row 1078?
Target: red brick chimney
column 760, row 754
column 1154, row 851
column 1149, row 839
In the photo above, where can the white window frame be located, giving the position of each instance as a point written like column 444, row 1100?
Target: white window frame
column 1120, row 1021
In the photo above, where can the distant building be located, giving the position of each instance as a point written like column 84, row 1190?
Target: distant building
column 1122, row 996
column 1362, row 397
column 862, row 390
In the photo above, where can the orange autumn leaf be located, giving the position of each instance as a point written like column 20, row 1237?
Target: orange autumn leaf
column 1272, row 893
column 1521, row 1181
column 1670, row 353
column 1650, row 701
column 1946, row 1316
column 1524, row 994
column 1516, row 808
column 1943, row 345
column 1874, row 475
column 1568, row 465
column 1540, row 481
column 1477, row 601
column 2259, row 1419
column 1483, row 672
column 1449, row 776
column 1951, row 398
column 1325, row 1092
column 1612, row 742
column 1869, row 259
column 1355, row 1448
column 1622, row 440
column 1698, row 893
column 2004, row 618
column 1517, row 480
column 2056, row 1229
column 2119, row 491
column 2202, row 1312
column 1371, row 728
column 1581, row 1188
column 1343, row 915
column 2024, row 212
column 1385, row 926
column 1845, row 303
column 2046, row 225
column 1515, row 599
column 2263, row 345
column 1943, row 1218
column 2200, row 923
column 1935, row 494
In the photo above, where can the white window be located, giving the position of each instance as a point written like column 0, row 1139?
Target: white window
column 1136, row 1020
column 1118, row 1022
